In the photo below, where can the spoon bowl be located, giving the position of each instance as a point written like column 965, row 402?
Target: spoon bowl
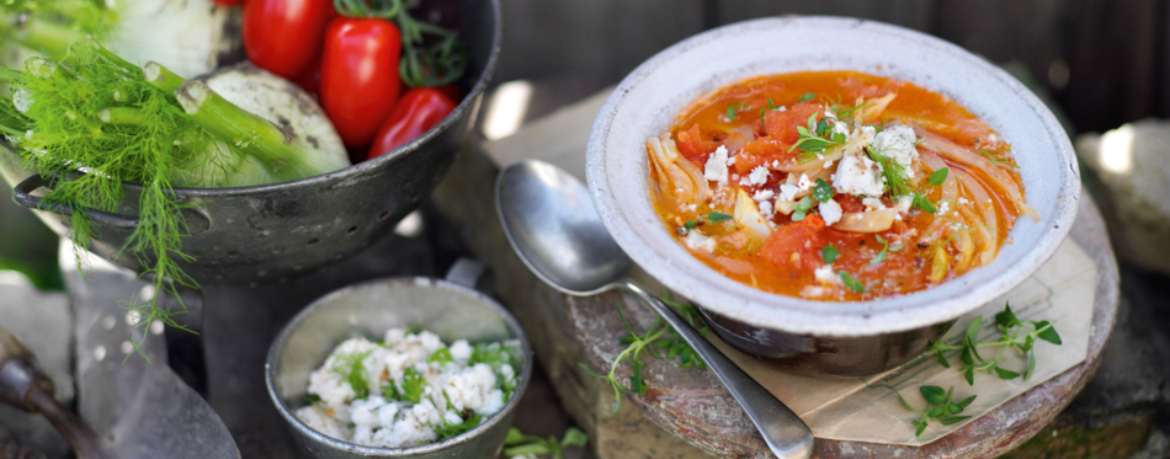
column 547, row 214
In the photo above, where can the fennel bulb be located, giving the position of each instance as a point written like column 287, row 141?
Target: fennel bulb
column 190, row 37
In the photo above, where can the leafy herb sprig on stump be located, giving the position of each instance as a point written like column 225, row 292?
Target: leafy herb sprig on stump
column 519, row 444
column 940, row 406
column 1015, row 333
column 656, row 342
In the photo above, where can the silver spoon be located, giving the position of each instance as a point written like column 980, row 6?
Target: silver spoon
column 550, row 221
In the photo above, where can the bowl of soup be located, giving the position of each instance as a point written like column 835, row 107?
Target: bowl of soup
column 833, row 193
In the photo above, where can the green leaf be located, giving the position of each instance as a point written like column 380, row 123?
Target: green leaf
column 1007, row 318
column 1005, row 373
column 921, row 429
column 617, row 405
column 575, row 437
column 934, row 395
column 965, row 357
column 690, row 224
column 807, row 97
column 829, row 253
column 798, row 215
column 970, row 376
column 413, row 384
column 449, row 430
column 838, row 138
column 441, row 356
column 953, row 419
column 1031, row 365
column 822, row 191
column 805, row 204
column 312, row 399
column 966, row 402
column 1050, row 334
column 716, row 217
column 923, row 203
column 823, row 127
column 851, row 283
column 515, row 437
column 881, row 256
column 938, row 177
column 730, row 113
column 942, row 359
column 973, row 328
column 771, row 104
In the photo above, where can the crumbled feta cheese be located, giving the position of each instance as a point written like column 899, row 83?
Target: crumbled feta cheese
column 376, row 421
column 781, row 108
column 825, row 275
column 776, row 164
column 828, row 164
column 758, row 176
column 716, row 168
column 788, row 192
column 841, row 128
column 904, row 203
column 692, row 207
column 829, row 113
column 697, row 241
column 993, row 138
column 963, row 201
column 873, row 204
column 858, row 176
column 766, row 209
column 897, row 142
column 830, row 211
column 810, row 291
column 763, row 195
column 944, row 207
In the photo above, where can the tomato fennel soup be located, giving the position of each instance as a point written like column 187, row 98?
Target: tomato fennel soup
column 835, row 185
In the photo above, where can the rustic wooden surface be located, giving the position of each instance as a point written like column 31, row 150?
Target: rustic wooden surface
column 689, row 403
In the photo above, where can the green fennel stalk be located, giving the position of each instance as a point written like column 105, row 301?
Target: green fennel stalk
column 96, row 122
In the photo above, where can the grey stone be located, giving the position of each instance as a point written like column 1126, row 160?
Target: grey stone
column 1132, row 180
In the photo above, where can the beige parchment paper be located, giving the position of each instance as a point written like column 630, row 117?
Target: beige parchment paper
column 1062, row 291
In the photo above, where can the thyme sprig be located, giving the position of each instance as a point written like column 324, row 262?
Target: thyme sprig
column 1014, row 333
column 814, row 140
column 940, row 406
column 654, row 340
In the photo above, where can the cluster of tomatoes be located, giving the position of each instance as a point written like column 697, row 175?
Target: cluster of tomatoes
column 352, row 63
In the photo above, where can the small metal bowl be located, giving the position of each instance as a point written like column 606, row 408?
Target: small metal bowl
column 449, row 310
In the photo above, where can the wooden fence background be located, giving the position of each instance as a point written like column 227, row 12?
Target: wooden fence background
column 1104, row 61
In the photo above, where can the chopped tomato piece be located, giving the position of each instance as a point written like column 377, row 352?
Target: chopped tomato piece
column 799, row 237
column 690, row 144
column 850, row 203
column 782, row 125
column 761, row 151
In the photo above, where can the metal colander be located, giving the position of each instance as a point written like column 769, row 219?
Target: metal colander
column 271, row 233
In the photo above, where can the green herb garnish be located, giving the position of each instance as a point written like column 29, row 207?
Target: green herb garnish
column 851, row 283
column 920, row 201
column 994, row 159
column 811, row 142
column 895, row 175
column 801, row 208
column 654, row 338
column 519, row 444
column 449, row 430
column 829, row 254
column 886, row 249
column 731, row 114
column 716, row 217
column 312, row 399
column 938, row 177
column 353, row 368
column 441, row 356
column 939, row 407
column 1014, row 332
column 807, row 97
column 822, row 191
column 413, row 385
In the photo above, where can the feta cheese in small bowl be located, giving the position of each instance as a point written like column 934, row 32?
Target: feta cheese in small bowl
column 400, row 368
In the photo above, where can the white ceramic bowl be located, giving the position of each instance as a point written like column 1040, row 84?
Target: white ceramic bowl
column 647, row 101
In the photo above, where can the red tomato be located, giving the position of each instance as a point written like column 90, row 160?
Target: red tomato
column 798, row 237
column 451, row 90
column 359, row 76
column 419, row 110
column 284, row 36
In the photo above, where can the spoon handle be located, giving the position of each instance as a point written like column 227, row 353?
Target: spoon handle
column 785, row 433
